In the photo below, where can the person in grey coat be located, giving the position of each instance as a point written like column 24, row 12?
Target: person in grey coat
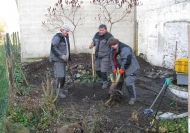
column 102, row 51
column 122, row 57
column 60, row 56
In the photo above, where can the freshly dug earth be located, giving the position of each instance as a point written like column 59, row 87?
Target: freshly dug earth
column 87, row 101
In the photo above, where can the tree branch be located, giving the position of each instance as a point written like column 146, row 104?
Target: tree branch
column 110, row 15
column 69, row 10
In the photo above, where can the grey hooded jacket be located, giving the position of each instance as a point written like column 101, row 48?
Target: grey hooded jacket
column 58, row 48
column 125, row 58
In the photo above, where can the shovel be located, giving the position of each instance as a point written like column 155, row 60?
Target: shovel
column 93, row 74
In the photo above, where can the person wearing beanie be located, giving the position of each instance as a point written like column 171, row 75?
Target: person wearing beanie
column 60, row 55
column 102, row 51
column 123, row 58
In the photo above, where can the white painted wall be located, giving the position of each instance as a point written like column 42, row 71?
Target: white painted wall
column 35, row 39
column 160, row 24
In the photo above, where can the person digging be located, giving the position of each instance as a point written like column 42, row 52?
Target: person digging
column 123, row 58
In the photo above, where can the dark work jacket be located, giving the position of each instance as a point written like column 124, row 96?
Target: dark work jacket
column 58, row 47
column 125, row 58
column 102, row 49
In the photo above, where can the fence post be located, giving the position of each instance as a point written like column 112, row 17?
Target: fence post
column 8, row 45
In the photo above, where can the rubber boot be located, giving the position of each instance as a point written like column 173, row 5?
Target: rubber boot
column 99, row 76
column 132, row 94
column 60, row 81
column 105, row 80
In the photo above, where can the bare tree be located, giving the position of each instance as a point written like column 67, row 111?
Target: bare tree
column 110, row 10
column 69, row 10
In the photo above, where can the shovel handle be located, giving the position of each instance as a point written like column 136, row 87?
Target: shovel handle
column 93, row 64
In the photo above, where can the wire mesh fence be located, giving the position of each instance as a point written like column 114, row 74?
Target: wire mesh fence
column 9, row 67
column 3, row 84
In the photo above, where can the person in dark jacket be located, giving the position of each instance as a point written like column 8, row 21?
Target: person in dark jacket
column 60, row 56
column 102, row 51
column 122, row 57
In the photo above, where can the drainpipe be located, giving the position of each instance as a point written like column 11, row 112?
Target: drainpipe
column 16, row 3
column 135, row 47
column 189, row 79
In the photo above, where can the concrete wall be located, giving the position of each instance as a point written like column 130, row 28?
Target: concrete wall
column 35, row 39
column 161, row 25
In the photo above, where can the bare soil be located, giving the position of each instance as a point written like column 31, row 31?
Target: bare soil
column 87, row 101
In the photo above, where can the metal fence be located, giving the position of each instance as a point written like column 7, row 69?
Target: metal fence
column 9, row 58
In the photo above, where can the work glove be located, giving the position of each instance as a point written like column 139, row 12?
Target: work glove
column 121, row 71
column 114, row 70
column 64, row 57
column 91, row 46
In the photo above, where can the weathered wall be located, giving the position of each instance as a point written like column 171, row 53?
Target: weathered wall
column 35, row 39
column 161, row 25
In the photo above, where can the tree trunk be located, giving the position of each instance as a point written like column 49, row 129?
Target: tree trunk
column 73, row 35
column 110, row 27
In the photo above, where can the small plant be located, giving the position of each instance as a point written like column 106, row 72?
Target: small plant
column 18, row 77
column 96, row 126
column 174, row 126
column 86, row 78
column 24, row 90
column 49, row 71
column 49, row 91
